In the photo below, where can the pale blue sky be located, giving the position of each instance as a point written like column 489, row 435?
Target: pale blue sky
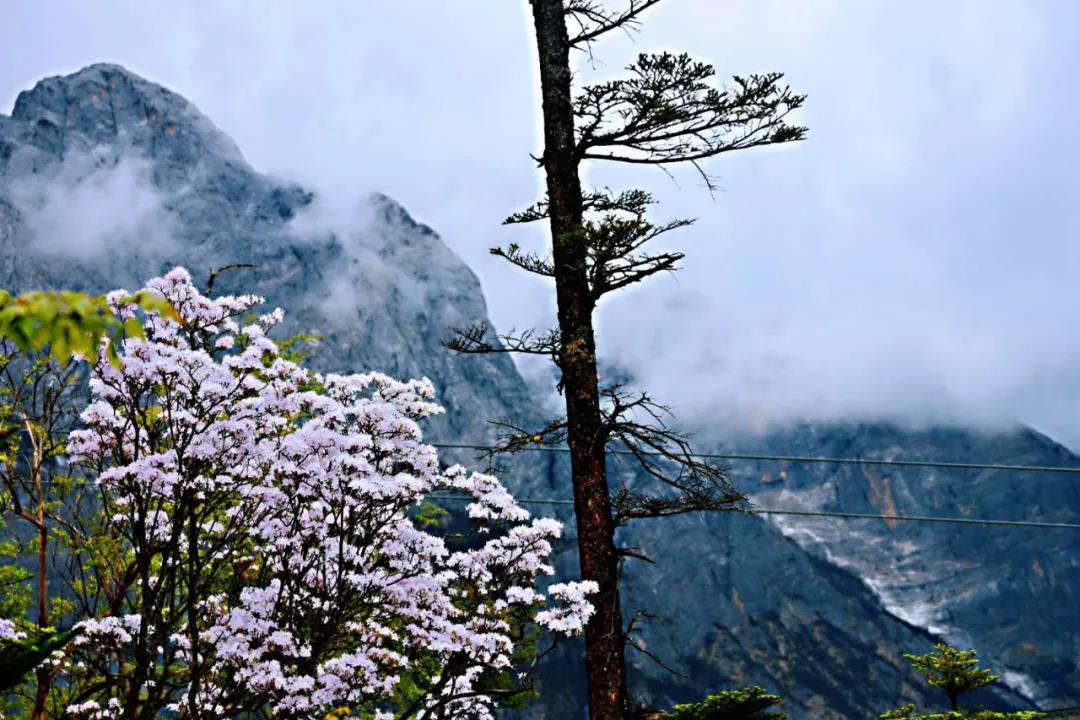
column 917, row 257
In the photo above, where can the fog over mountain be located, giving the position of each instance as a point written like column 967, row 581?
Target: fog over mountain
column 914, row 260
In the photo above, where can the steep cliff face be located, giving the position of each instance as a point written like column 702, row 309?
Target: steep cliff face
column 107, row 179
column 1012, row 592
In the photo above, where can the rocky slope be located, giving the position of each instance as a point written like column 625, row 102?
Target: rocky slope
column 1012, row 592
column 107, row 179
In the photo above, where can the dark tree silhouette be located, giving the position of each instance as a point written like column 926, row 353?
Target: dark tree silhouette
column 665, row 112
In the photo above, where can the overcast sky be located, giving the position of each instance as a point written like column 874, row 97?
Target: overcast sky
column 915, row 258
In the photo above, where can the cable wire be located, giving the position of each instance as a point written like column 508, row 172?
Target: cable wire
column 804, row 459
column 823, row 513
column 834, row 460
column 813, row 459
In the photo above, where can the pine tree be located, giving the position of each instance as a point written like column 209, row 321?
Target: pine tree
column 952, row 671
column 667, row 111
column 746, row 704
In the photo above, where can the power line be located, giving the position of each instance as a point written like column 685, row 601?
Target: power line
column 82, row 482
column 844, row 515
column 810, row 459
column 924, row 518
column 804, row 459
column 832, row 460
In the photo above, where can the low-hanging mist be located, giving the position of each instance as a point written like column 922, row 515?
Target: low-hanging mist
column 914, row 259
column 94, row 205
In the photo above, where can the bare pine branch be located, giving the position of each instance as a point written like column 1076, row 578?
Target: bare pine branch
column 514, row 438
column 649, row 654
column 473, row 340
column 637, row 554
column 638, row 424
column 224, row 268
column 638, row 617
column 632, row 642
column 593, row 19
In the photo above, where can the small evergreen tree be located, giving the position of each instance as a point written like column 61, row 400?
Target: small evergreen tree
column 954, row 672
column 752, row 703
column 951, row 670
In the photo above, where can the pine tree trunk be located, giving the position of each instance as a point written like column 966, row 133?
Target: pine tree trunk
column 592, row 503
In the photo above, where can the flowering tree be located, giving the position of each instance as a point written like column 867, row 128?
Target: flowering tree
column 256, row 552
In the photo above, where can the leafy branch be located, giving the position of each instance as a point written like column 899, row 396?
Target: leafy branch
column 71, row 323
column 668, row 111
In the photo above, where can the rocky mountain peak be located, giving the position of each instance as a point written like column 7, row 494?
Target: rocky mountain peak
column 106, row 104
column 107, row 178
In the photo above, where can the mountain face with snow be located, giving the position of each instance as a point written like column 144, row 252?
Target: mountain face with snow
column 107, row 179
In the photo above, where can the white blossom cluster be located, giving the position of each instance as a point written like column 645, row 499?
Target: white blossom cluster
column 272, row 506
column 8, row 630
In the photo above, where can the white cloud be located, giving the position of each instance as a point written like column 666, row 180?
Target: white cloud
column 93, row 205
column 916, row 257
column 365, row 278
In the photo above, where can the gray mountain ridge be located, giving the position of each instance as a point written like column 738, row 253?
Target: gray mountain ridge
column 794, row 606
